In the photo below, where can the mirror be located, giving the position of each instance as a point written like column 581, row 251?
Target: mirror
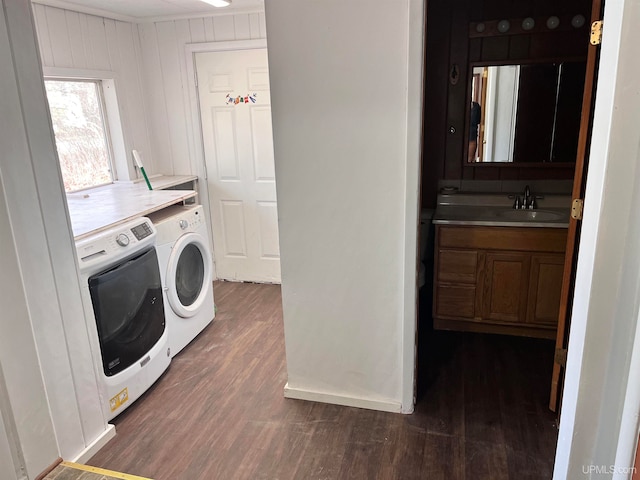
column 525, row 113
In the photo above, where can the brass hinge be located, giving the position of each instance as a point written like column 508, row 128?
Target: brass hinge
column 596, row 33
column 561, row 357
column 576, row 208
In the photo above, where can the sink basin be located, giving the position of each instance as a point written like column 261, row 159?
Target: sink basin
column 532, row 215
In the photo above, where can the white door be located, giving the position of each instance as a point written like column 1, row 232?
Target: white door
column 235, row 108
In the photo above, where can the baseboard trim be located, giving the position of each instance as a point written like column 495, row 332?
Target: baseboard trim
column 96, row 445
column 347, row 401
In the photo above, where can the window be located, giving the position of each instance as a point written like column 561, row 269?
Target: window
column 81, row 132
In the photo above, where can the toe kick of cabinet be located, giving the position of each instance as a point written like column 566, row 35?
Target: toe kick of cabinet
column 498, row 279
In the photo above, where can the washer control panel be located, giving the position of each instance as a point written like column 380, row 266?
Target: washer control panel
column 103, row 248
column 142, row 231
column 122, row 240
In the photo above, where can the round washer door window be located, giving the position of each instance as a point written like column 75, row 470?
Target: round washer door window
column 188, row 274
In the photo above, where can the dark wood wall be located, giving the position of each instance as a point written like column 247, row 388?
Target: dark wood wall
column 449, row 43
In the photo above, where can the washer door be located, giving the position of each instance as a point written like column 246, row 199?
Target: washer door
column 189, row 274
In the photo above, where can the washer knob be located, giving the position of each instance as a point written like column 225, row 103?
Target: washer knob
column 122, row 240
column 183, row 224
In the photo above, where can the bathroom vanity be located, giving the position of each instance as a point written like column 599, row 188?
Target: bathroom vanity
column 498, row 270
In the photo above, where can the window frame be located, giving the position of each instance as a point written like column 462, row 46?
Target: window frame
column 121, row 168
column 97, row 83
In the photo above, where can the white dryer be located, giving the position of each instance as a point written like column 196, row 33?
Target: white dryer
column 186, row 268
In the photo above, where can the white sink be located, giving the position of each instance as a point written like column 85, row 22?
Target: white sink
column 531, row 215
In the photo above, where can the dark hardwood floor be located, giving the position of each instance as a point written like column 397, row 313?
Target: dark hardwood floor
column 219, row 411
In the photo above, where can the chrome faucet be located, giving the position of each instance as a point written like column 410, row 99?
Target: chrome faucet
column 528, row 201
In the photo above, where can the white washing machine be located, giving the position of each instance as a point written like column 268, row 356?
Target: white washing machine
column 186, row 268
column 124, row 310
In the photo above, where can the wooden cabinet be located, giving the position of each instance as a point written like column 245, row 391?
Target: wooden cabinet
column 498, row 279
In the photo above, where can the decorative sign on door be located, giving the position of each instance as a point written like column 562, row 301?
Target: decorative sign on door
column 239, row 99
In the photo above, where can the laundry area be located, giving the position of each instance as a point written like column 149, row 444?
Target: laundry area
column 145, row 263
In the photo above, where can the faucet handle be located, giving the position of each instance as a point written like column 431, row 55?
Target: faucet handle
column 517, row 204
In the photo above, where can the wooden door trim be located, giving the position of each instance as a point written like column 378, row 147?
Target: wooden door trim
column 573, row 233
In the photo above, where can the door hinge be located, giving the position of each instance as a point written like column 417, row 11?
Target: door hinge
column 561, row 357
column 596, row 33
column 576, row 208
column 195, row 76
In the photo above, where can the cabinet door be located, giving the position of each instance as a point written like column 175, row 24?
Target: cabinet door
column 506, row 287
column 545, row 286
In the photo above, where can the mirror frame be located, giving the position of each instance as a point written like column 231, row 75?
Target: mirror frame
column 512, row 61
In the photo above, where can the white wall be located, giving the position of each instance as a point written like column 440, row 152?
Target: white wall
column 164, row 67
column 607, row 289
column 39, row 228
column 7, row 463
column 23, row 401
column 80, row 42
column 24, row 410
column 149, row 64
column 339, row 90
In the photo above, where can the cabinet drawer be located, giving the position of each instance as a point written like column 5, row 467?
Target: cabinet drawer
column 455, row 301
column 457, row 266
column 503, row 238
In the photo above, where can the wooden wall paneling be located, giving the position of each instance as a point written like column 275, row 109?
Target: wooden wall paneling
column 495, row 48
column 155, row 93
column 475, row 9
column 170, row 35
column 254, row 25
column 131, row 94
column 519, row 46
column 209, row 30
column 183, row 37
column 457, row 104
column 76, row 40
column 113, row 48
column 73, row 40
column 196, row 27
column 224, row 28
column 509, row 173
column 59, row 38
column 97, row 38
column 542, row 45
column 475, row 49
column 263, row 25
column 46, row 52
column 485, row 173
column 242, row 27
column 435, row 94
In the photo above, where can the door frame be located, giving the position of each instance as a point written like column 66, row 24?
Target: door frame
column 597, row 426
column 198, row 162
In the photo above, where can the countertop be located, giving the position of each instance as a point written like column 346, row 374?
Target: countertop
column 97, row 209
column 496, row 210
